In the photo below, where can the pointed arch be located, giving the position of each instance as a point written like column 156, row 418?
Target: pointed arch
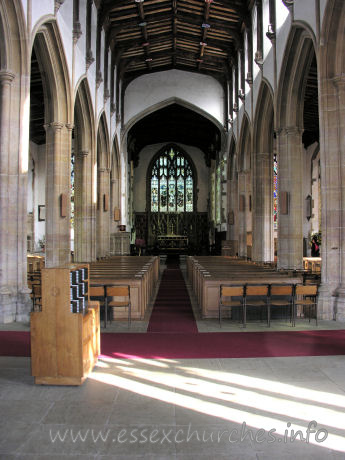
column 244, row 188
column 264, row 119
column 103, row 188
column 52, row 63
column 263, row 139
column 56, row 82
column 83, row 109
column 299, row 52
column 103, row 149
column 166, row 103
column 232, row 163
column 244, row 145
column 84, row 159
column 299, row 56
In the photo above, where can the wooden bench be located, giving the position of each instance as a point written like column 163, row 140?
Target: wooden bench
column 140, row 273
column 207, row 274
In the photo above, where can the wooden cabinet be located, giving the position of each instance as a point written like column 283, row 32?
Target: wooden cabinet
column 65, row 334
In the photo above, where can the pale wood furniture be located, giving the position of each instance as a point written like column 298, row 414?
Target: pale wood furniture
column 120, row 298
column 231, row 297
column 65, row 335
column 207, row 273
column 282, row 296
column 257, row 295
column 306, row 299
column 140, row 273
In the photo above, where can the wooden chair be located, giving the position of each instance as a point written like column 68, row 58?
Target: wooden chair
column 306, row 297
column 257, row 296
column 282, row 295
column 96, row 292
column 120, row 298
column 36, row 296
column 232, row 297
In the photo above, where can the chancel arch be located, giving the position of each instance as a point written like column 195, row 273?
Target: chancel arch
column 263, row 222
column 84, row 218
column 244, row 191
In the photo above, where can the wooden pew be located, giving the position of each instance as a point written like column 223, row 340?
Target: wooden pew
column 206, row 274
column 140, row 273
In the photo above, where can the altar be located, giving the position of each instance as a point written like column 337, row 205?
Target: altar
column 172, row 242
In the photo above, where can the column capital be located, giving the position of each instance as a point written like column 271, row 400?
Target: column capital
column 6, row 76
column 339, row 81
column 83, row 153
column 69, row 126
column 287, row 130
column 55, row 125
column 102, row 170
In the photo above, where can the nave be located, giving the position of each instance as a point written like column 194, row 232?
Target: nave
column 172, row 395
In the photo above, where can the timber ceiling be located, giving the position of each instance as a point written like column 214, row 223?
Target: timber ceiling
column 155, row 35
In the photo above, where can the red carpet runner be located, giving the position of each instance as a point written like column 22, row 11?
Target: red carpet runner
column 172, row 311
column 205, row 345
column 172, row 334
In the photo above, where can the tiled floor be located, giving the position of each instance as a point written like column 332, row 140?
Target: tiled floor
column 178, row 409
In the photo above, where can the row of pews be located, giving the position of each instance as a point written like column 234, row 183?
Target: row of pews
column 35, row 263
column 141, row 274
column 206, row 274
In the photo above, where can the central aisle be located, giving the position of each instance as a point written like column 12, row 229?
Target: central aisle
column 172, row 311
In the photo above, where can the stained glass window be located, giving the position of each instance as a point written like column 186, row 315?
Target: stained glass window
column 172, row 183
column 275, row 192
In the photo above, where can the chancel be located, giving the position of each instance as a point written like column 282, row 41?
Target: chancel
column 172, row 218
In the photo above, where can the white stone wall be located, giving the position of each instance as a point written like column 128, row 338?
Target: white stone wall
column 202, row 91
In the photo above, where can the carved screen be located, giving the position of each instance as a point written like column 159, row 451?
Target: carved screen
column 172, row 183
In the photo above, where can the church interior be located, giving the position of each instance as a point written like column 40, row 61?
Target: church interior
column 172, row 209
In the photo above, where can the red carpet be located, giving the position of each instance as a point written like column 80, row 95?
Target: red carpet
column 205, row 345
column 172, row 311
